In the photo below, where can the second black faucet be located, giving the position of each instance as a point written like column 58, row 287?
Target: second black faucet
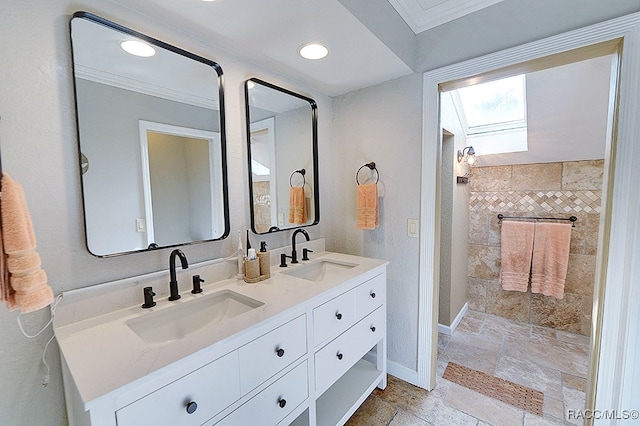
column 294, row 254
column 173, row 283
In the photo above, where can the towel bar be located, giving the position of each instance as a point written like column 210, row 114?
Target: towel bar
column 572, row 219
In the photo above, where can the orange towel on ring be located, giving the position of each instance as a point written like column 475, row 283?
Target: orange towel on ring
column 516, row 248
column 27, row 288
column 297, row 206
column 367, row 211
column 550, row 258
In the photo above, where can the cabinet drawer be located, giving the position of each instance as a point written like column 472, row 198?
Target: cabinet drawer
column 270, row 353
column 274, row 403
column 333, row 317
column 370, row 295
column 332, row 361
column 207, row 390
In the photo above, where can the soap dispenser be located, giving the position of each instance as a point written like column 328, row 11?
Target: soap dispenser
column 264, row 258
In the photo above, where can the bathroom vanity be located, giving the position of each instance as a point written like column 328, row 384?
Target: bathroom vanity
column 306, row 346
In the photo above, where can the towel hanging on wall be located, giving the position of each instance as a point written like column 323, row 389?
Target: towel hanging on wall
column 297, row 200
column 24, row 283
column 367, row 209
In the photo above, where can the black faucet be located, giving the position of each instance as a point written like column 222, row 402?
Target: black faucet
column 173, row 283
column 294, row 254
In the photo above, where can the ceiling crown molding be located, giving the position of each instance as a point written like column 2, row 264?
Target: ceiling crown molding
column 422, row 15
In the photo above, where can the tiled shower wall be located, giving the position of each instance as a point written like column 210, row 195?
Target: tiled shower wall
column 549, row 189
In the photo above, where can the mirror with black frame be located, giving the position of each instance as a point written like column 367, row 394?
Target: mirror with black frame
column 282, row 142
column 151, row 140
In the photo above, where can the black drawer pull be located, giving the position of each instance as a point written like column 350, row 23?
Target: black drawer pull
column 192, row 407
column 339, row 316
column 282, row 402
column 280, row 352
column 339, row 356
column 373, row 328
column 373, row 295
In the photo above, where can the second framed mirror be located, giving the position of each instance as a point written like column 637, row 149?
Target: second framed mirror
column 282, row 141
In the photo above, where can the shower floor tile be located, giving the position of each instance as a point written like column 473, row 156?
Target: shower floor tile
column 553, row 362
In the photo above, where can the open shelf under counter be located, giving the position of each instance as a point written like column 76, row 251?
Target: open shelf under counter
column 342, row 399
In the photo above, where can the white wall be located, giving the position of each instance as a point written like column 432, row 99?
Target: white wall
column 454, row 218
column 39, row 150
column 383, row 124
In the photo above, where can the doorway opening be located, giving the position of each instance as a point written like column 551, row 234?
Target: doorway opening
column 598, row 40
column 535, row 340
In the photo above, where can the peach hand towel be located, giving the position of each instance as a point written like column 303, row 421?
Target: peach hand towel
column 6, row 292
column 367, row 211
column 516, row 250
column 27, row 287
column 550, row 258
column 297, row 206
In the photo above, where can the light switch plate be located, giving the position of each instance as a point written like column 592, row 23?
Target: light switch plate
column 413, row 228
column 140, row 225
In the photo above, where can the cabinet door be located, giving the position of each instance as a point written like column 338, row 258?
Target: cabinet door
column 333, row 317
column 370, row 295
column 339, row 355
column 272, row 352
column 190, row 400
column 274, row 403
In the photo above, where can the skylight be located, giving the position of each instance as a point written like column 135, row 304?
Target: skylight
column 493, row 106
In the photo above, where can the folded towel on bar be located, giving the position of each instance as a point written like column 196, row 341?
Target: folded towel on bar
column 297, row 205
column 367, row 211
column 26, row 288
column 550, row 258
column 516, row 251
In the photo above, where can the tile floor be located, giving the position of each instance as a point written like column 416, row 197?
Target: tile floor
column 551, row 361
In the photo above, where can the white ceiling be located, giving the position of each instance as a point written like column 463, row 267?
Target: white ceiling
column 422, row 15
column 269, row 33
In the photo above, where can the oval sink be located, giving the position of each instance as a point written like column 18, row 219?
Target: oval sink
column 177, row 322
column 320, row 269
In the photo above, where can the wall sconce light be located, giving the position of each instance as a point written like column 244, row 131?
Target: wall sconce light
column 467, row 155
column 470, row 154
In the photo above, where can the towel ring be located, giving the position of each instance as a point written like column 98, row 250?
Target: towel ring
column 371, row 166
column 302, row 172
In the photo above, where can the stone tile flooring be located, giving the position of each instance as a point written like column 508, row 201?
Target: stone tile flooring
column 551, row 361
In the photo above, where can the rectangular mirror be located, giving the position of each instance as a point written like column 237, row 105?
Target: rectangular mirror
column 282, row 141
column 151, row 139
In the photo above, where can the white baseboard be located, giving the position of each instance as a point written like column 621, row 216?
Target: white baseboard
column 449, row 329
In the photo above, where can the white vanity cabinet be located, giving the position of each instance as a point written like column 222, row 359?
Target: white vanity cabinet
column 312, row 362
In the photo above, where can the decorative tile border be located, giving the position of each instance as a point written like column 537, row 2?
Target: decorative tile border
column 536, row 201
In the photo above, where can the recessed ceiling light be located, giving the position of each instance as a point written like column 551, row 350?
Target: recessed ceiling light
column 138, row 48
column 313, row 51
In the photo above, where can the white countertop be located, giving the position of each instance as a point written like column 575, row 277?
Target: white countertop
column 104, row 355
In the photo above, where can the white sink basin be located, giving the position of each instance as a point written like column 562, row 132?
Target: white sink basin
column 319, row 270
column 176, row 322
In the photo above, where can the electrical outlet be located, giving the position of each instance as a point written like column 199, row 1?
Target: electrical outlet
column 413, row 228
